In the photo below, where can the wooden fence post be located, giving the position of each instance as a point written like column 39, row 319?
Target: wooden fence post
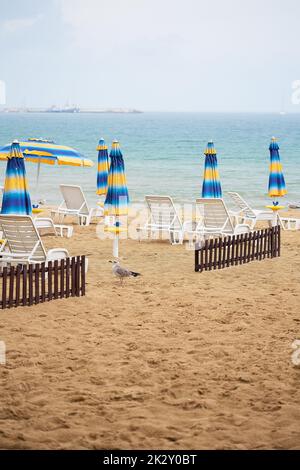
column 18, row 285
column 279, row 241
column 206, row 255
column 24, row 285
column 37, row 283
column 77, row 273
column 68, row 277
column 62, row 278
column 11, row 287
column 43, row 282
column 4, row 287
column 73, row 278
column 83, row 275
column 49, row 280
column 30, row 287
column 197, row 259
column 56, row 279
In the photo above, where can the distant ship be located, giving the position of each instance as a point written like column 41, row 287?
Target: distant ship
column 65, row 109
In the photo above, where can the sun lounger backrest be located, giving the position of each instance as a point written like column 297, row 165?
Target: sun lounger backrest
column 242, row 204
column 162, row 211
column 215, row 214
column 74, row 198
column 22, row 236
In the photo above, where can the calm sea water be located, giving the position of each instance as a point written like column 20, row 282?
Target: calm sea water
column 163, row 152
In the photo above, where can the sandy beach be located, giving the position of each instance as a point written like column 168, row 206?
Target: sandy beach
column 173, row 359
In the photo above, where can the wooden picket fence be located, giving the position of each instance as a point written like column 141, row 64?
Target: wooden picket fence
column 233, row 250
column 38, row 283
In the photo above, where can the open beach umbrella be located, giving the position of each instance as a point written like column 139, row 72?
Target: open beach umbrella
column 16, row 198
column 211, row 187
column 276, row 179
column 102, row 172
column 47, row 152
column 117, row 199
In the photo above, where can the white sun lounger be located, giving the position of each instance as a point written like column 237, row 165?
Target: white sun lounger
column 214, row 221
column 22, row 242
column 163, row 217
column 75, row 204
column 245, row 213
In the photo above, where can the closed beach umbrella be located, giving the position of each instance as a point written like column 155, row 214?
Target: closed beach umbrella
column 211, row 187
column 102, row 173
column 47, row 152
column 117, row 199
column 276, row 179
column 16, row 198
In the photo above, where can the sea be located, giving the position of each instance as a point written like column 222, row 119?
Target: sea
column 164, row 152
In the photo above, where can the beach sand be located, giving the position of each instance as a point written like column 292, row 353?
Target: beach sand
column 173, row 359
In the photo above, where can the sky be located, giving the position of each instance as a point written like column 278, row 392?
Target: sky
column 152, row 55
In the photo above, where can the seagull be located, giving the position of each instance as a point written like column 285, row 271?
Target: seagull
column 121, row 272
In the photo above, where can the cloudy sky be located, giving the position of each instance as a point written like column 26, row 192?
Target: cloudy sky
column 164, row 55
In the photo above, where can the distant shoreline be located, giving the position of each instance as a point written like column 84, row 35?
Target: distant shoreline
column 71, row 110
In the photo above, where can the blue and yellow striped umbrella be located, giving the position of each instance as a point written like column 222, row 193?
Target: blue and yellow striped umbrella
column 102, row 173
column 16, row 198
column 211, row 187
column 48, row 152
column 276, row 179
column 117, row 199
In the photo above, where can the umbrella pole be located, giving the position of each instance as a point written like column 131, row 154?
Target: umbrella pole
column 116, row 246
column 37, row 178
column 116, row 241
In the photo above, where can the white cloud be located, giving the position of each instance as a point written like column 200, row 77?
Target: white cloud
column 19, row 24
column 196, row 28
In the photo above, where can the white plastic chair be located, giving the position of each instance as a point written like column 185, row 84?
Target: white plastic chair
column 75, row 204
column 163, row 217
column 22, row 242
column 244, row 212
column 214, row 221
